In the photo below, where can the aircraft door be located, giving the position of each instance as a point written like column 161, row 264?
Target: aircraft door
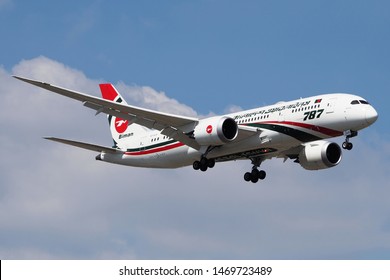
column 331, row 107
column 281, row 117
column 143, row 143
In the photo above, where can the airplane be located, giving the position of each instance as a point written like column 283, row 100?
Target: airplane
column 294, row 130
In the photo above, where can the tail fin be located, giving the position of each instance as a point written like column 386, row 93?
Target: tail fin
column 109, row 92
column 121, row 129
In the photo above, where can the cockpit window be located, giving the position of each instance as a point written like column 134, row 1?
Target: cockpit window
column 364, row 102
column 354, row 102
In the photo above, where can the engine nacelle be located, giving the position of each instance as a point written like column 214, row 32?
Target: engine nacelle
column 320, row 155
column 216, row 131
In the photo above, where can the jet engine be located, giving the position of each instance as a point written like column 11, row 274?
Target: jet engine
column 215, row 131
column 320, row 155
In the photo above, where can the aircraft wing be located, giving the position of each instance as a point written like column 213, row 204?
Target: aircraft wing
column 174, row 126
column 171, row 125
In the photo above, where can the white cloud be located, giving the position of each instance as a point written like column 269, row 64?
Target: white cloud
column 233, row 109
column 58, row 202
column 148, row 97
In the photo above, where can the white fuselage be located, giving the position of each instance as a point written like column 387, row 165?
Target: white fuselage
column 291, row 130
column 281, row 127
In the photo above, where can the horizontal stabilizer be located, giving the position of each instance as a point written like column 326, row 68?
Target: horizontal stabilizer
column 87, row 146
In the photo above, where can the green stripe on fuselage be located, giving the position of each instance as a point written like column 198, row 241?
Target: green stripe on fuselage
column 295, row 133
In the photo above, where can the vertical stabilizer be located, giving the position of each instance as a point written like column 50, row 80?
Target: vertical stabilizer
column 122, row 131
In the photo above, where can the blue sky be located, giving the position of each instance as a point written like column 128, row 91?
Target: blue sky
column 190, row 57
column 197, row 51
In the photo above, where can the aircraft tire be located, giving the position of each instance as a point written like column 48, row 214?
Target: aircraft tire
column 203, row 168
column 196, row 165
column 347, row 146
column 262, row 174
column 247, row 176
column 203, row 161
column 255, row 173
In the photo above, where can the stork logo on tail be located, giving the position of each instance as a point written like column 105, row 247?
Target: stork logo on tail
column 121, row 125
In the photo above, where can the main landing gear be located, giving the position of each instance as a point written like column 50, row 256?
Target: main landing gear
column 255, row 175
column 203, row 164
column 349, row 134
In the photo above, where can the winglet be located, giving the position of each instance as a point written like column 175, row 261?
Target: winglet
column 33, row 82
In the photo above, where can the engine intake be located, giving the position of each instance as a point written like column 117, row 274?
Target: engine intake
column 216, row 131
column 320, row 155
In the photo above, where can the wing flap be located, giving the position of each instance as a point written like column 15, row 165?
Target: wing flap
column 245, row 132
column 180, row 136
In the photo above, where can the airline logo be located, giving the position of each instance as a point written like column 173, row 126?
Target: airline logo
column 209, row 129
column 121, row 125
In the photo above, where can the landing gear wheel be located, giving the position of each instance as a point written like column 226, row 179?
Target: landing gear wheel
column 247, row 176
column 211, row 163
column 254, row 175
column 347, row 145
column 262, row 174
column 254, row 179
column 196, row 165
column 203, row 164
column 349, row 134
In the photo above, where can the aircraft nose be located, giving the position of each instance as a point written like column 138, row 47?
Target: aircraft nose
column 371, row 115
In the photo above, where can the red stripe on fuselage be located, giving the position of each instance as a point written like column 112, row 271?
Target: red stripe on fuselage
column 155, row 150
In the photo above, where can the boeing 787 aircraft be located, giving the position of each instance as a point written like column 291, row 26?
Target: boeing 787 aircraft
column 293, row 130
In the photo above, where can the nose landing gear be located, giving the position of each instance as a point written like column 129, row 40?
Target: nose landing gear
column 349, row 134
